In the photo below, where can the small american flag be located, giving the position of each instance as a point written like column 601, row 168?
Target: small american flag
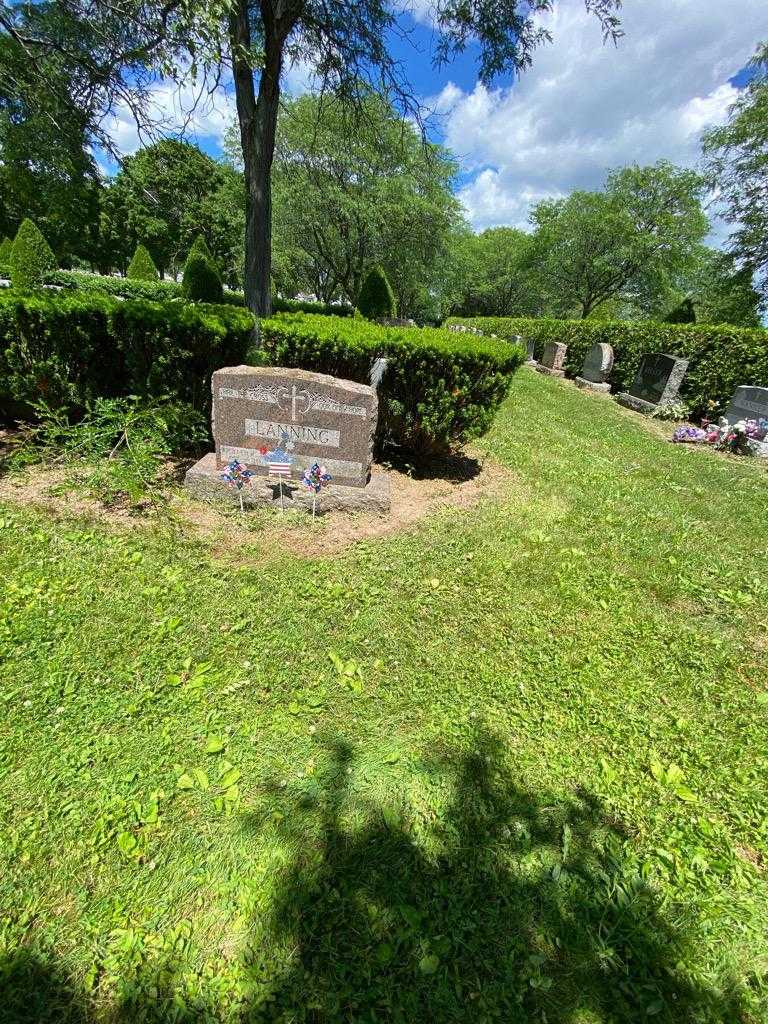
column 279, row 468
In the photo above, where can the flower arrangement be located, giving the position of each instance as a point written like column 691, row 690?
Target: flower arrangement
column 236, row 475
column 745, row 437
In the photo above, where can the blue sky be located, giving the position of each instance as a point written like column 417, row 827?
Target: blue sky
column 582, row 109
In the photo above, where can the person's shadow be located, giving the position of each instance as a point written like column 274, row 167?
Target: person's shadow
column 486, row 902
column 521, row 906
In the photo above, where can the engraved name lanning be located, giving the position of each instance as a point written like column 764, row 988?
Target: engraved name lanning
column 302, row 432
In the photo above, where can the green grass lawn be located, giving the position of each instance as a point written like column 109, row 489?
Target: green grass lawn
column 511, row 766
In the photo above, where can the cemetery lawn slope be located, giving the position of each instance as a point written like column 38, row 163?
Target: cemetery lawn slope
column 508, row 767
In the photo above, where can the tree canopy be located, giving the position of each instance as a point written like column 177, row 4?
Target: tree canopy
column 165, row 196
column 344, row 200
column 593, row 245
column 738, row 167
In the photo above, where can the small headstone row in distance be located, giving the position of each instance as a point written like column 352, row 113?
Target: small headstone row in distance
column 657, row 381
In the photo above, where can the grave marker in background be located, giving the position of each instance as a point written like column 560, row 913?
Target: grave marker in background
column 553, row 359
column 656, row 384
column 597, row 367
column 748, row 403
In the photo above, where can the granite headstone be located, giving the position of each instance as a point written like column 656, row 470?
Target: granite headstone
column 553, row 359
column 656, row 384
column 597, row 367
column 319, row 418
column 277, row 422
column 748, row 403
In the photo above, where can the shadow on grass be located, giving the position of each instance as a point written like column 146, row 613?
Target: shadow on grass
column 512, row 906
column 526, row 910
column 455, row 467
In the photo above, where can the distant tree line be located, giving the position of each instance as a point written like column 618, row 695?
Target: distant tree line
column 355, row 188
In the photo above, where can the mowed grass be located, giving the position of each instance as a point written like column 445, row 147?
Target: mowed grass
column 511, row 766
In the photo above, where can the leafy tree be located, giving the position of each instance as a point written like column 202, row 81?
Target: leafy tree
column 31, row 258
column 346, row 42
column 344, row 199
column 711, row 284
column 142, row 267
column 738, row 166
column 116, row 53
column 201, row 281
column 500, row 276
column 593, row 245
column 166, row 195
column 46, row 171
column 376, row 299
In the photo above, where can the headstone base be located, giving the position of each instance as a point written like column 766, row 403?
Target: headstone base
column 592, row 385
column 638, row 404
column 531, row 362
column 549, row 371
column 203, row 480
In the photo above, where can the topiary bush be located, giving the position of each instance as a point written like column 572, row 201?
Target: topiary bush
column 376, row 299
column 69, row 348
column 200, row 245
column 439, row 390
column 142, row 266
column 32, row 259
column 721, row 357
column 201, row 281
column 162, row 291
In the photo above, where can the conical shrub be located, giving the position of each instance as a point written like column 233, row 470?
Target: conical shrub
column 200, row 245
column 376, row 299
column 142, row 266
column 201, row 281
column 31, row 259
column 6, row 248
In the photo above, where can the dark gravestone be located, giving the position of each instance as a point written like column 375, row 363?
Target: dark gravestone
column 597, row 367
column 656, row 384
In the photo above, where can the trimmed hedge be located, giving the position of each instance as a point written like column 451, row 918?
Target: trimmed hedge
column 721, row 357
column 439, row 390
column 120, row 287
column 69, row 348
column 164, row 291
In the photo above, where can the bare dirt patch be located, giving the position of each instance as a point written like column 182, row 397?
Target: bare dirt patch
column 460, row 482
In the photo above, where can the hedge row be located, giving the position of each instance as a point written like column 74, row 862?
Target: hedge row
column 68, row 348
column 439, row 388
column 165, row 291
column 720, row 357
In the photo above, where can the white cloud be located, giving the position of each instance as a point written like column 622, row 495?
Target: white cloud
column 585, row 108
column 172, row 107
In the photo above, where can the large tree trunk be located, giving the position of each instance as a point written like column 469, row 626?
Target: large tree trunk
column 258, row 121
